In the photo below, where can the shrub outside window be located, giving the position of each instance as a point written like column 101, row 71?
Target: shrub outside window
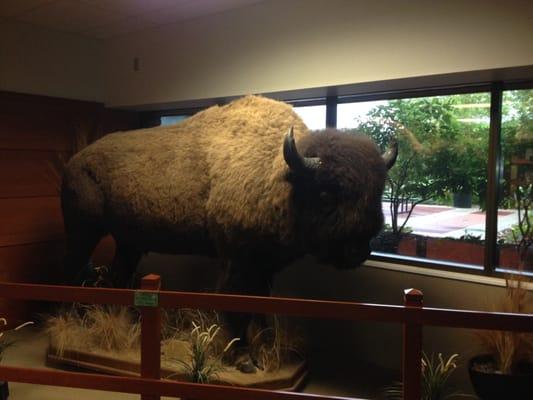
column 434, row 200
column 515, row 228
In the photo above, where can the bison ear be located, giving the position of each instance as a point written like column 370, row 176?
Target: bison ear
column 294, row 160
column 389, row 157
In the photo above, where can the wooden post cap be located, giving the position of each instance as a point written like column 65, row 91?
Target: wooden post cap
column 413, row 296
column 151, row 282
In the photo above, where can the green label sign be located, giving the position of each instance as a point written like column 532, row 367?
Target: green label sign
column 146, row 299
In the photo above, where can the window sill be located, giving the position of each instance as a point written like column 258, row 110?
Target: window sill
column 440, row 273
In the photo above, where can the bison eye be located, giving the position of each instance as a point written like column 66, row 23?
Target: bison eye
column 326, row 197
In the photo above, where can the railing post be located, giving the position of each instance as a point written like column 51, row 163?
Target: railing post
column 150, row 330
column 412, row 348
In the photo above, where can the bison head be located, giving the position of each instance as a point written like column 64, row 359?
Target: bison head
column 338, row 180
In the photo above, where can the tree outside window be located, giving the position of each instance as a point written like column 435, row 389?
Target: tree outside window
column 436, row 192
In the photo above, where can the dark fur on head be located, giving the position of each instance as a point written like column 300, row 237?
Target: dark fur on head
column 339, row 206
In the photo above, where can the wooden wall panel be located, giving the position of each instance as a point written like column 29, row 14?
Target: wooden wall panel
column 28, row 173
column 32, row 263
column 23, row 130
column 36, row 134
column 29, row 220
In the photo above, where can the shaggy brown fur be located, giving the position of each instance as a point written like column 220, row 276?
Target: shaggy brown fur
column 218, row 184
column 222, row 167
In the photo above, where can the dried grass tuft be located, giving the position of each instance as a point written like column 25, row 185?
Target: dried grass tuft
column 117, row 329
column 178, row 325
column 275, row 345
column 110, row 328
column 204, row 361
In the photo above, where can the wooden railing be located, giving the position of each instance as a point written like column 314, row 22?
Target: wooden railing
column 412, row 315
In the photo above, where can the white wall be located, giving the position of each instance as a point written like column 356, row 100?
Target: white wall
column 39, row 61
column 283, row 45
column 381, row 343
column 275, row 45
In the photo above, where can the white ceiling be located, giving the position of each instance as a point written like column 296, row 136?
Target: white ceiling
column 108, row 18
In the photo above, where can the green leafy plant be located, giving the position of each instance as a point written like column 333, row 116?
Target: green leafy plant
column 439, row 152
column 435, row 374
column 520, row 235
column 512, row 235
column 471, row 238
column 404, row 191
column 204, row 362
column 524, row 237
column 4, row 342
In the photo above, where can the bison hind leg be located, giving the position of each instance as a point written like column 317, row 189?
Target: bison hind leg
column 80, row 246
column 124, row 265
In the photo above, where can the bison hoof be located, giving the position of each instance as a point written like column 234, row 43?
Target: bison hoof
column 246, row 365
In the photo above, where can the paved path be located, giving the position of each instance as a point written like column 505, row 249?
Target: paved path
column 443, row 221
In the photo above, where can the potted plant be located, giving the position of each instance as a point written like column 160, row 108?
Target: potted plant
column 506, row 370
column 459, row 175
column 4, row 344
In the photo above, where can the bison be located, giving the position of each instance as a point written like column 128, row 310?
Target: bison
column 228, row 182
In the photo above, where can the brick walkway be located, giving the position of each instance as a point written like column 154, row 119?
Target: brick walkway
column 443, row 221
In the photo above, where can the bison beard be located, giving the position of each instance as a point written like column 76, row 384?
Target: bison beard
column 229, row 182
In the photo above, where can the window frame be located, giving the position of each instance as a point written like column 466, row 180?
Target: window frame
column 494, row 162
column 494, row 171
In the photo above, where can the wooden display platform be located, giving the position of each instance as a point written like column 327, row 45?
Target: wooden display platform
column 289, row 377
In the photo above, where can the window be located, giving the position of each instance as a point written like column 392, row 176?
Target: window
column 351, row 115
column 435, row 195
column 460, row 193
column 515, row 222
column 314, row 117
column 172, row 119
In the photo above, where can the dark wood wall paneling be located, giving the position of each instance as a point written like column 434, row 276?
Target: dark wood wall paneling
column 36, row 134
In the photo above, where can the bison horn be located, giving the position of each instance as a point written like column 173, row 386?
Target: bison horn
column 294, row 160
column 391, row 154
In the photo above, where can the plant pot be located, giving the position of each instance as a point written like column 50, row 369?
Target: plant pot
column 386, row 242
column 455, row 250
column 462, row 200
column 4, row 390
column 492, row 385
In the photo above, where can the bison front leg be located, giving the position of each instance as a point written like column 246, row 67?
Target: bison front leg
column 244, row 280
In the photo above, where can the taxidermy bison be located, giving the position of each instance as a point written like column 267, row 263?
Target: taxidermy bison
column 245, row 182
